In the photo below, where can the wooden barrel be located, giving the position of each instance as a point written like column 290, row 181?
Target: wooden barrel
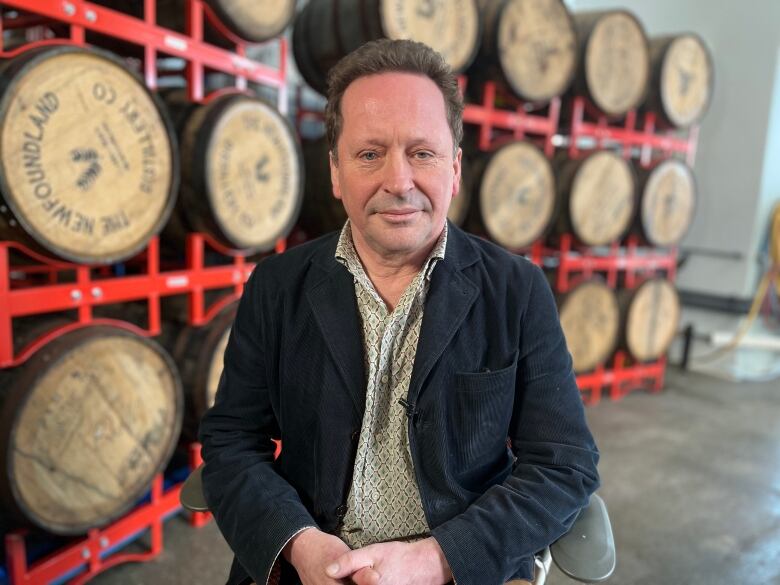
column 242, row 173
column 667, row 202
column 313, row 71
column 255, row 21
column 89, row 160
column 327, row 30
column 530, row 45
column 85, row 425
column 321, row 211
column 615, row 60
column 516, row 192
column 597, row 197
column 682, row 79
column 199, row 354
column 651, row 318
column 590, row 318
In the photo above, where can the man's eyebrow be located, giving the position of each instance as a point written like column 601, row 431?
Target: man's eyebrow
column 361, row 142
column 422, row 140
column 412, row 143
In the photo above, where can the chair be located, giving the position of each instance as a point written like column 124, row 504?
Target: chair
column 586, row 553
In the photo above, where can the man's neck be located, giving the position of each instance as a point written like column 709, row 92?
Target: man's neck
column 391, row 273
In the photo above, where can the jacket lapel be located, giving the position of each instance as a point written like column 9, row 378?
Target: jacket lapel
column 333, row 303
column 449, row 299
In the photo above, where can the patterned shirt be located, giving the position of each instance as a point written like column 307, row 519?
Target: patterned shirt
column 384, row 500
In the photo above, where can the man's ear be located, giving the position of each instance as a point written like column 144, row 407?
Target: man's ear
column 456, row 168
column 334, row 175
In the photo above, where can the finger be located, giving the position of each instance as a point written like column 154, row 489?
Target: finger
column 366, row 576
column 349, row 563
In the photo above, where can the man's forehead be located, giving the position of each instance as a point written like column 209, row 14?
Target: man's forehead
column 392, row 90
column 404, row 99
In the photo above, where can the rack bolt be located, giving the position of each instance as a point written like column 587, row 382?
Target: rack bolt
column 97, row 292
column 75, row 295
column 69, row 8
column 91, row 16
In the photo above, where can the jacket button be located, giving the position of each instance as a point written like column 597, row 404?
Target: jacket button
column 341, row 511
column 355, row 435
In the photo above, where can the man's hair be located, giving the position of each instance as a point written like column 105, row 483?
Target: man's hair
column 384, row 56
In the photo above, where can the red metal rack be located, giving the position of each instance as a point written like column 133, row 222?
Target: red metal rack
column 587, row 122
column 497, row 123
column 93, row 554
column 621, row 378
column 90, row 289
column 631, row 260
column 42, row 284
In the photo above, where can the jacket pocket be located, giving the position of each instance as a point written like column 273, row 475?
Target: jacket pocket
column 483, row 410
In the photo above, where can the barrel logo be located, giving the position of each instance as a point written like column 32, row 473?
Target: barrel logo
column 89, row 156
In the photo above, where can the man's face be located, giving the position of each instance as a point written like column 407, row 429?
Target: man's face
column 396, row 173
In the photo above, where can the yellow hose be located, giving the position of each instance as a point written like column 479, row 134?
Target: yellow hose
column 773, row 272
column 774, row 245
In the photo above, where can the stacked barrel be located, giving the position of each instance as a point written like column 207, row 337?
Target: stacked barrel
column 535, row 57
column 96, row 165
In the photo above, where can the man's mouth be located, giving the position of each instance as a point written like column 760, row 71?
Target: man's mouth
column 398, row 215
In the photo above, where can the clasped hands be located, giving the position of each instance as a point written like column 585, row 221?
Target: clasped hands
column 324, row 559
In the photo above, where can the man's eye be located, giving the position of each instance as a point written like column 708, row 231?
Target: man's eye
column 369, row 156
column 423, row 154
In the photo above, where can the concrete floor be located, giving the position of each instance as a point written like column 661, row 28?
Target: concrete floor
column 691, row 477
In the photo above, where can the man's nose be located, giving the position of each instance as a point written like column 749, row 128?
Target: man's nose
column 398, row 174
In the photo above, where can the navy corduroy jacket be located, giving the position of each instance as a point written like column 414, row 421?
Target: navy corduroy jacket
column 501, row 450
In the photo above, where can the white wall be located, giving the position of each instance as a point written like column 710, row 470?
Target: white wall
column 738, row 162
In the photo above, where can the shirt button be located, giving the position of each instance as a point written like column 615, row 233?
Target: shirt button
column 341, row 511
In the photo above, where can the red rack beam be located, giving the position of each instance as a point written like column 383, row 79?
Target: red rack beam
column 87, row 292
column 626, row 135
column 620, row 379
column 630, row 259
column 88, row 554
column 88, row 16
column 517, row 121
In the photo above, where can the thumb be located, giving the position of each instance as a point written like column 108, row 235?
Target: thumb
column 367, row 576
column 349, row 563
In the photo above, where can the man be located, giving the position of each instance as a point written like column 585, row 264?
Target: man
column 417, row 376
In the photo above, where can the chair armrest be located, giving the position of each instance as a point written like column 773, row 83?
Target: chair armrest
column 587, row 552
column 191, row 494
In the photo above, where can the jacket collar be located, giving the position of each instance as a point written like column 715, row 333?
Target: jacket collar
column 331, row 296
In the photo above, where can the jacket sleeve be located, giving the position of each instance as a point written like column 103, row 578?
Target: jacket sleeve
column 556, row 457
column 256, row 510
